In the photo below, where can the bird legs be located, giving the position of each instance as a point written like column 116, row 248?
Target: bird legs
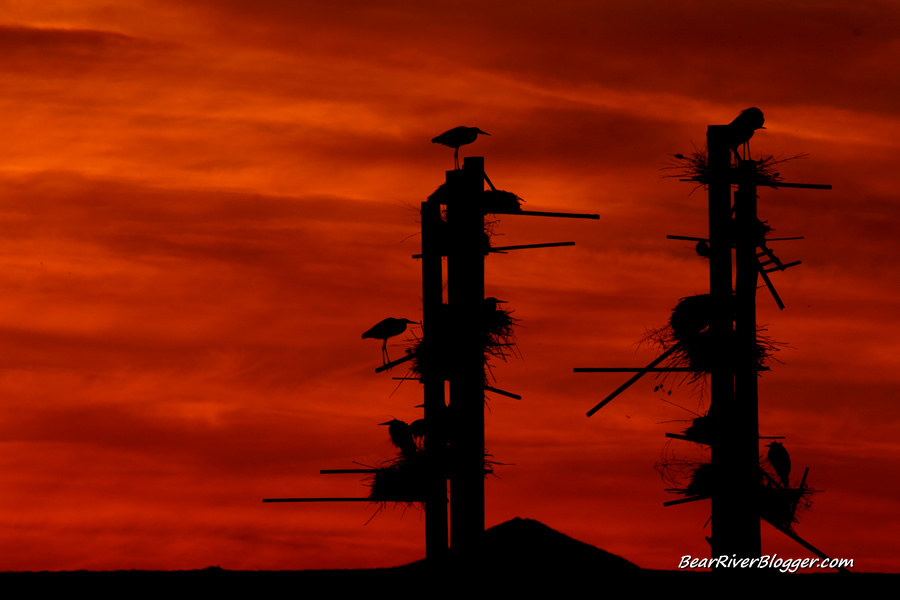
column 385, row 359
column 456, row 158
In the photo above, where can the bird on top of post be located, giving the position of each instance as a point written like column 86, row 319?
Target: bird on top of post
column 780, row 460
column 456, row 137
column 742, row 128
column 386, row 329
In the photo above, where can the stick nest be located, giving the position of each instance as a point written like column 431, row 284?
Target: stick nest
column 499, row 340
column 778, row 505
column 695, row 167
column 688, row 332
column 402, row 480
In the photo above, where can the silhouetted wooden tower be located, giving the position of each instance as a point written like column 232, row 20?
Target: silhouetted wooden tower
column 458, row 334
column 733, row 407
column 455, row 349
column 732, row 354
column 734, row 373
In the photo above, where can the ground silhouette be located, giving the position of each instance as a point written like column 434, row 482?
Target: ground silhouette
column 521, row 555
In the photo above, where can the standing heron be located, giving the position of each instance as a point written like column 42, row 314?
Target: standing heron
column 742, row 128
column 456, row 137
column 780, row 460
column 384, row 330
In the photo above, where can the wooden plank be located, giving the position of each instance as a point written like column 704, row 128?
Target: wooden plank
column 502, row 393
column 686, row 238
column 685, row 500
column 808, row 186
column 633, row 370
column 341, row 471
column 526, row 246
column 318, row 500
column 628, row 383
column 394, row 363
column 535, row 213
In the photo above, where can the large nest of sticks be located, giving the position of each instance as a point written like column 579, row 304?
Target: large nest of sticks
column 403, row 479
column 695, row 167
column 417, row 350
column 501, row 201
column 781, row 506
column 700, row 430
column 677, row 470
column 701, row 482
column 499, row 338
column 688, row 333
column 499, row 329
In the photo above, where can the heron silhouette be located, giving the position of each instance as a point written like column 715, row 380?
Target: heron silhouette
column 390, row 327
column 456, row 137
column 490, row 303
column 401, row 436
column 742, row 128
column 780, row 460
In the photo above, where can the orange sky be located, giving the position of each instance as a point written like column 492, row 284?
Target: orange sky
column 203, row 207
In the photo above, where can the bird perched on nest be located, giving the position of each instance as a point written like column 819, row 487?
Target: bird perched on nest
column 742, row 128
column 780, row 460
column 490, row 304
column 401, row 436
column 384, row 330
column 456, row 137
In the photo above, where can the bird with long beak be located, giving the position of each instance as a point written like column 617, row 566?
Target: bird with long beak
column 390, row 327
column 456, row 137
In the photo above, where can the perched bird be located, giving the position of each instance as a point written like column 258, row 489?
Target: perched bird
column 384, row 330
column 742, row 128
column 780, row 461
column 702, row 249
column 401, row 436
column 494, row 317
column 456, row 137
column 490, row 304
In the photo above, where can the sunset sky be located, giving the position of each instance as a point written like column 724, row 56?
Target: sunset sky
column 204, row 204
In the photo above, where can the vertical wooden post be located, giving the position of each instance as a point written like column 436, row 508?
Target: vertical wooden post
column 745, row 434
column 465, row 268
column 735, row 512
column 433, row 375
column 721, row 407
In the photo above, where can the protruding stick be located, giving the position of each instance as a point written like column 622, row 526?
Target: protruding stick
column 394, row 363
column 535, row 213
column 806, row 545
column 317, row 500
column 342, row 471
column 502, row 393
column 633, row 369
column 637, row 376
column 525, row 246
column 684, row 500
